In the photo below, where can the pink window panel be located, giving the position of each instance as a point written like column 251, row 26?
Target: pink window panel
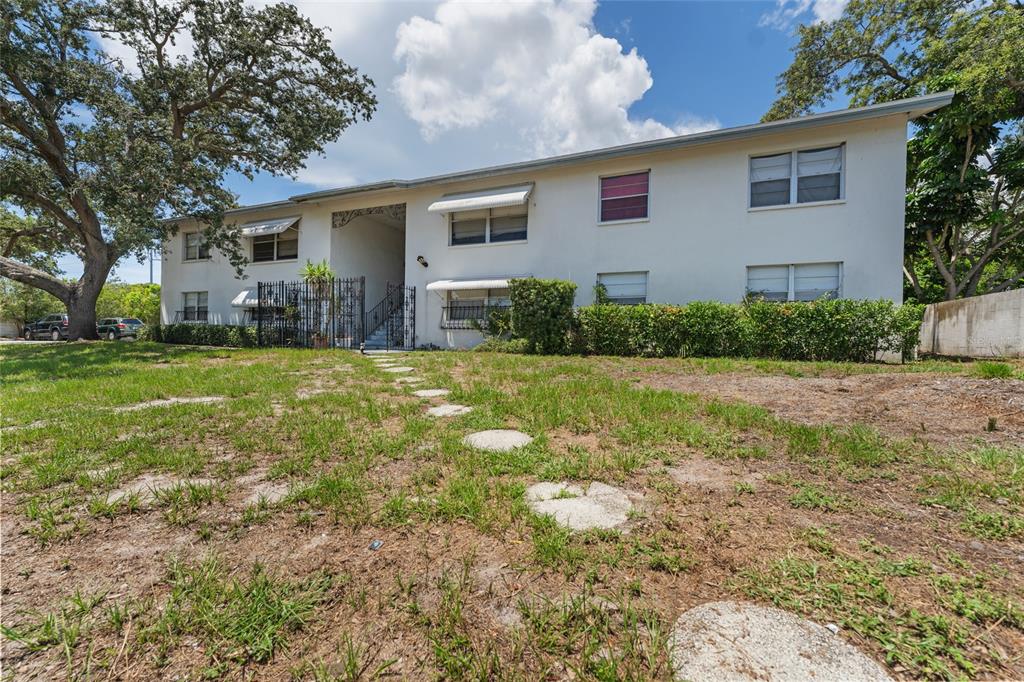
column 624, row 197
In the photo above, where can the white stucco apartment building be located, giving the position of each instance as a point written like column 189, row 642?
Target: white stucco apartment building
column 791, row 210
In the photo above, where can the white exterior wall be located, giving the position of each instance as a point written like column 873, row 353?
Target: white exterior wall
column 696, row 244
column 700, row 235
column 363, row 248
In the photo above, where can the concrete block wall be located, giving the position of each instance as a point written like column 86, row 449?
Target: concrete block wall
column 989, row 326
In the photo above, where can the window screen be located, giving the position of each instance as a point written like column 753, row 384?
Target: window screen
column 508, row 224
column 812, row 281
column 625, row 197
column 263, row 248
column 818, row 172
column 769, row 180
column 770, row 282
column 469, row 227
column 624, row 288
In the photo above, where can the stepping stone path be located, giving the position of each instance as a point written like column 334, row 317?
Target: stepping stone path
column 269, row 491
column 602, row 506
column 746, row 643
column 147, row 485
column 497, row 440
column 165, row 402
column 431, row 392
column 398, row 370
column 447, row 410
column 409, row 380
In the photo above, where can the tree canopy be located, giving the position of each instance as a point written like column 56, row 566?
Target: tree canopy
column 100, row 151
column 965, row 170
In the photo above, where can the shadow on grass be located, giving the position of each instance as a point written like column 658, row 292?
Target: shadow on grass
column 61, row 360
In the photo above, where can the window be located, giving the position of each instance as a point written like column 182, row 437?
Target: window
column 624, row 288
column 625, row 197
column 465, row 307
column 796, row 177
column 488, row 226
column 196, row 247
column 798, row 282
column 282, row 246
column 195, row 308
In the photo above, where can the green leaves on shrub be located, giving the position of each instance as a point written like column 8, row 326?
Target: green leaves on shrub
column 542, row 313
column 842, row 330
column 203, row 334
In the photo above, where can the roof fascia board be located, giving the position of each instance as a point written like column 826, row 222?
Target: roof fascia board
column 911, row 107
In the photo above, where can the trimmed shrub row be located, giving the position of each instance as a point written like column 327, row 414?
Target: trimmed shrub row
column 842, row 330
column 203, row 334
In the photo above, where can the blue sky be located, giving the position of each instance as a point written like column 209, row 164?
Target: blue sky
column 464, row 85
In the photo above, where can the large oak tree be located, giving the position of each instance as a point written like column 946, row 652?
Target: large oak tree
column 965, row 170
column 101, row 150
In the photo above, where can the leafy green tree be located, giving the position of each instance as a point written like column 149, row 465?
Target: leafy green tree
column 120, row 299
column 19, row 302
column 965, row 170
column 101, row 152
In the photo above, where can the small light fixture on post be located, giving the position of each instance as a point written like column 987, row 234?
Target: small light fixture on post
column 422, row 261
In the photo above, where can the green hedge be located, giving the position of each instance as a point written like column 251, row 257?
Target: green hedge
column 840, row 330
column 203, row 334
column 542, row 313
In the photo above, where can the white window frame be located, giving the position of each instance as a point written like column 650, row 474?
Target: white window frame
column 487, row 229
column 277, row 240
column 794, row 179
column 650, row 191
column 184, row 304
column 791, row 294
column 647, row 284
column 199, row 247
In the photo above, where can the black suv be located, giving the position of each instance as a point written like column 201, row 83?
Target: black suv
column 53, row 327
column 113, row 328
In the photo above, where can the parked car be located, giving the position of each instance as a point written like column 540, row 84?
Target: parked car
column 114, row 328
column 54, row 327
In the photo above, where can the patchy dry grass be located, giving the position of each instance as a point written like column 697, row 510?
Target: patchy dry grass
column 137, row 543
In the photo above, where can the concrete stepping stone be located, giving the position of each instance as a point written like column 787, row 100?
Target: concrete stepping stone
column 497, row 440
column 409, row 380
column 399, row 370
column 269, row 491
column 448, row 410
column 431, row 392
column 148, row 485
column 746, row 643
column 166, row 402
column 601, row 506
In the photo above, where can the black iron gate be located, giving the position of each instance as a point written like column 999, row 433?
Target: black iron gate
column 304, row 314
column 392, row 322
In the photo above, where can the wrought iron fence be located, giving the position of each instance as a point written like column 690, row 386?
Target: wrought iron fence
column 471, row 314
column 392, row 322
column 311, row 314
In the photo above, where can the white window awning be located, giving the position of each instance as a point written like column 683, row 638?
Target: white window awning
column 462, row 284
column 247, row 298
column 261, row 228
column 488, row 198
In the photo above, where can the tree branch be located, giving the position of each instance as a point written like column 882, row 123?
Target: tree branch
column 26, row 274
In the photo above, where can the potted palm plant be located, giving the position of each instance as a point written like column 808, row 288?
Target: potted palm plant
column 319, row 277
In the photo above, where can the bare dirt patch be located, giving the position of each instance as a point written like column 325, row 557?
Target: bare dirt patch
column 936, row 408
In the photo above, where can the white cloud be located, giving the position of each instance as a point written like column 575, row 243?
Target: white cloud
column 538, row 67
column 788, row 12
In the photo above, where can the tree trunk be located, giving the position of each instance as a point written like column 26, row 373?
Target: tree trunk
column 85, row 292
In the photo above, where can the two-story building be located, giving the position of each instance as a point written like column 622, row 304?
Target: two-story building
column 790, row 210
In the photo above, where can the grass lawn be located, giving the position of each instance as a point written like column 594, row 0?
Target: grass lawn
column 148, row 535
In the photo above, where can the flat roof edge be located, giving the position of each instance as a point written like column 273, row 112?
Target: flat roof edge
column 913, row 107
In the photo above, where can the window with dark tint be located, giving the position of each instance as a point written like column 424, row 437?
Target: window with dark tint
column 469, row 227
column 263, row 248
column 818, row 174
column 283, row 246
column 508, row 224
column 625, row 197
column 770, row 180
column 132, row 320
